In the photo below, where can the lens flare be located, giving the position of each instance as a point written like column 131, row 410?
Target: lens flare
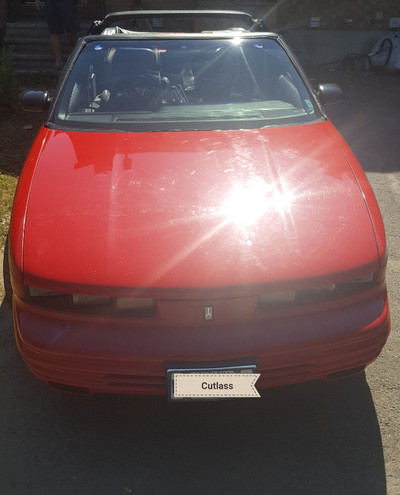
column 247, row 204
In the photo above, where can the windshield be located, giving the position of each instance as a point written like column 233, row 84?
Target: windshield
column 203, row 84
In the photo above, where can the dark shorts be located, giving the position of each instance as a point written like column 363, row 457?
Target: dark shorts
column 61, row 16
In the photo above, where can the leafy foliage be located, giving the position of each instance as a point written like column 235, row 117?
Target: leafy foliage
column 8, row 81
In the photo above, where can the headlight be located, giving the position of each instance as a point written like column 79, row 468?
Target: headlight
column 277, row 297
column 136, row 306
column 355, row 285
column 37, row 292
column 81, row 300
column 316, row 294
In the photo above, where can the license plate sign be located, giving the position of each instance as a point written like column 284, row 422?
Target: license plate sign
column 225, row 382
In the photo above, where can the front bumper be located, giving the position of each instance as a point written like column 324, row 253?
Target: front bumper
column 88, row 354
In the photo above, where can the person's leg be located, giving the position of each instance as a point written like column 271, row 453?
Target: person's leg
column 54, row 22
column 70, row 21
column 72, row 39
column 56, row 48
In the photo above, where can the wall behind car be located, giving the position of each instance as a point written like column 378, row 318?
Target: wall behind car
column 323, row 31
column 319, row 31
column 328, row 14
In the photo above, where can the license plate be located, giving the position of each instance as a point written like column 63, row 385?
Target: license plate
column 212, row 382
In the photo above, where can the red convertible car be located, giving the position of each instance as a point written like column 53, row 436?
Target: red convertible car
column 187, row 207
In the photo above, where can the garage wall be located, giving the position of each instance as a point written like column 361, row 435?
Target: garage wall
column 293, row 14
column 328, row 45
column 319, row 31
column 337, row 14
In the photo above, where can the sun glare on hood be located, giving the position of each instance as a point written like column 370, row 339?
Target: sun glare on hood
column 248, row 203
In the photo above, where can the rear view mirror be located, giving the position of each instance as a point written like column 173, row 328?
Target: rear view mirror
column 35, row 101
column 329, row 94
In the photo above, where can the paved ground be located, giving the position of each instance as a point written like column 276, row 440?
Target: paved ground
column 314, row 439
column 370, row 121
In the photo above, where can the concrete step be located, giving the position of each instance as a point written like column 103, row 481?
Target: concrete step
column 29, row 42
column 28, row 9
column 21, row 57
column 37, row 29
column 32, row 45
column 27, row 29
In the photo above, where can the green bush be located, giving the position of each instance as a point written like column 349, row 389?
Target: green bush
column 8, row 81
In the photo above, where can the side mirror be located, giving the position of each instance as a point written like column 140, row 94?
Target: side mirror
column 35, row 101
column 329, row 94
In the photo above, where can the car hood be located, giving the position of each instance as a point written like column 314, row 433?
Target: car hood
column 194, row 209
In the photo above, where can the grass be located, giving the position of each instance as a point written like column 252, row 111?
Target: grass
column 17, row 131
column 15, row 144
column 8, row 183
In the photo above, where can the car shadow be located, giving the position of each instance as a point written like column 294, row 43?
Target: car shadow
column 309, row 439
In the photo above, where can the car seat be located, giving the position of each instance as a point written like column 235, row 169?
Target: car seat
column 135, row 82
